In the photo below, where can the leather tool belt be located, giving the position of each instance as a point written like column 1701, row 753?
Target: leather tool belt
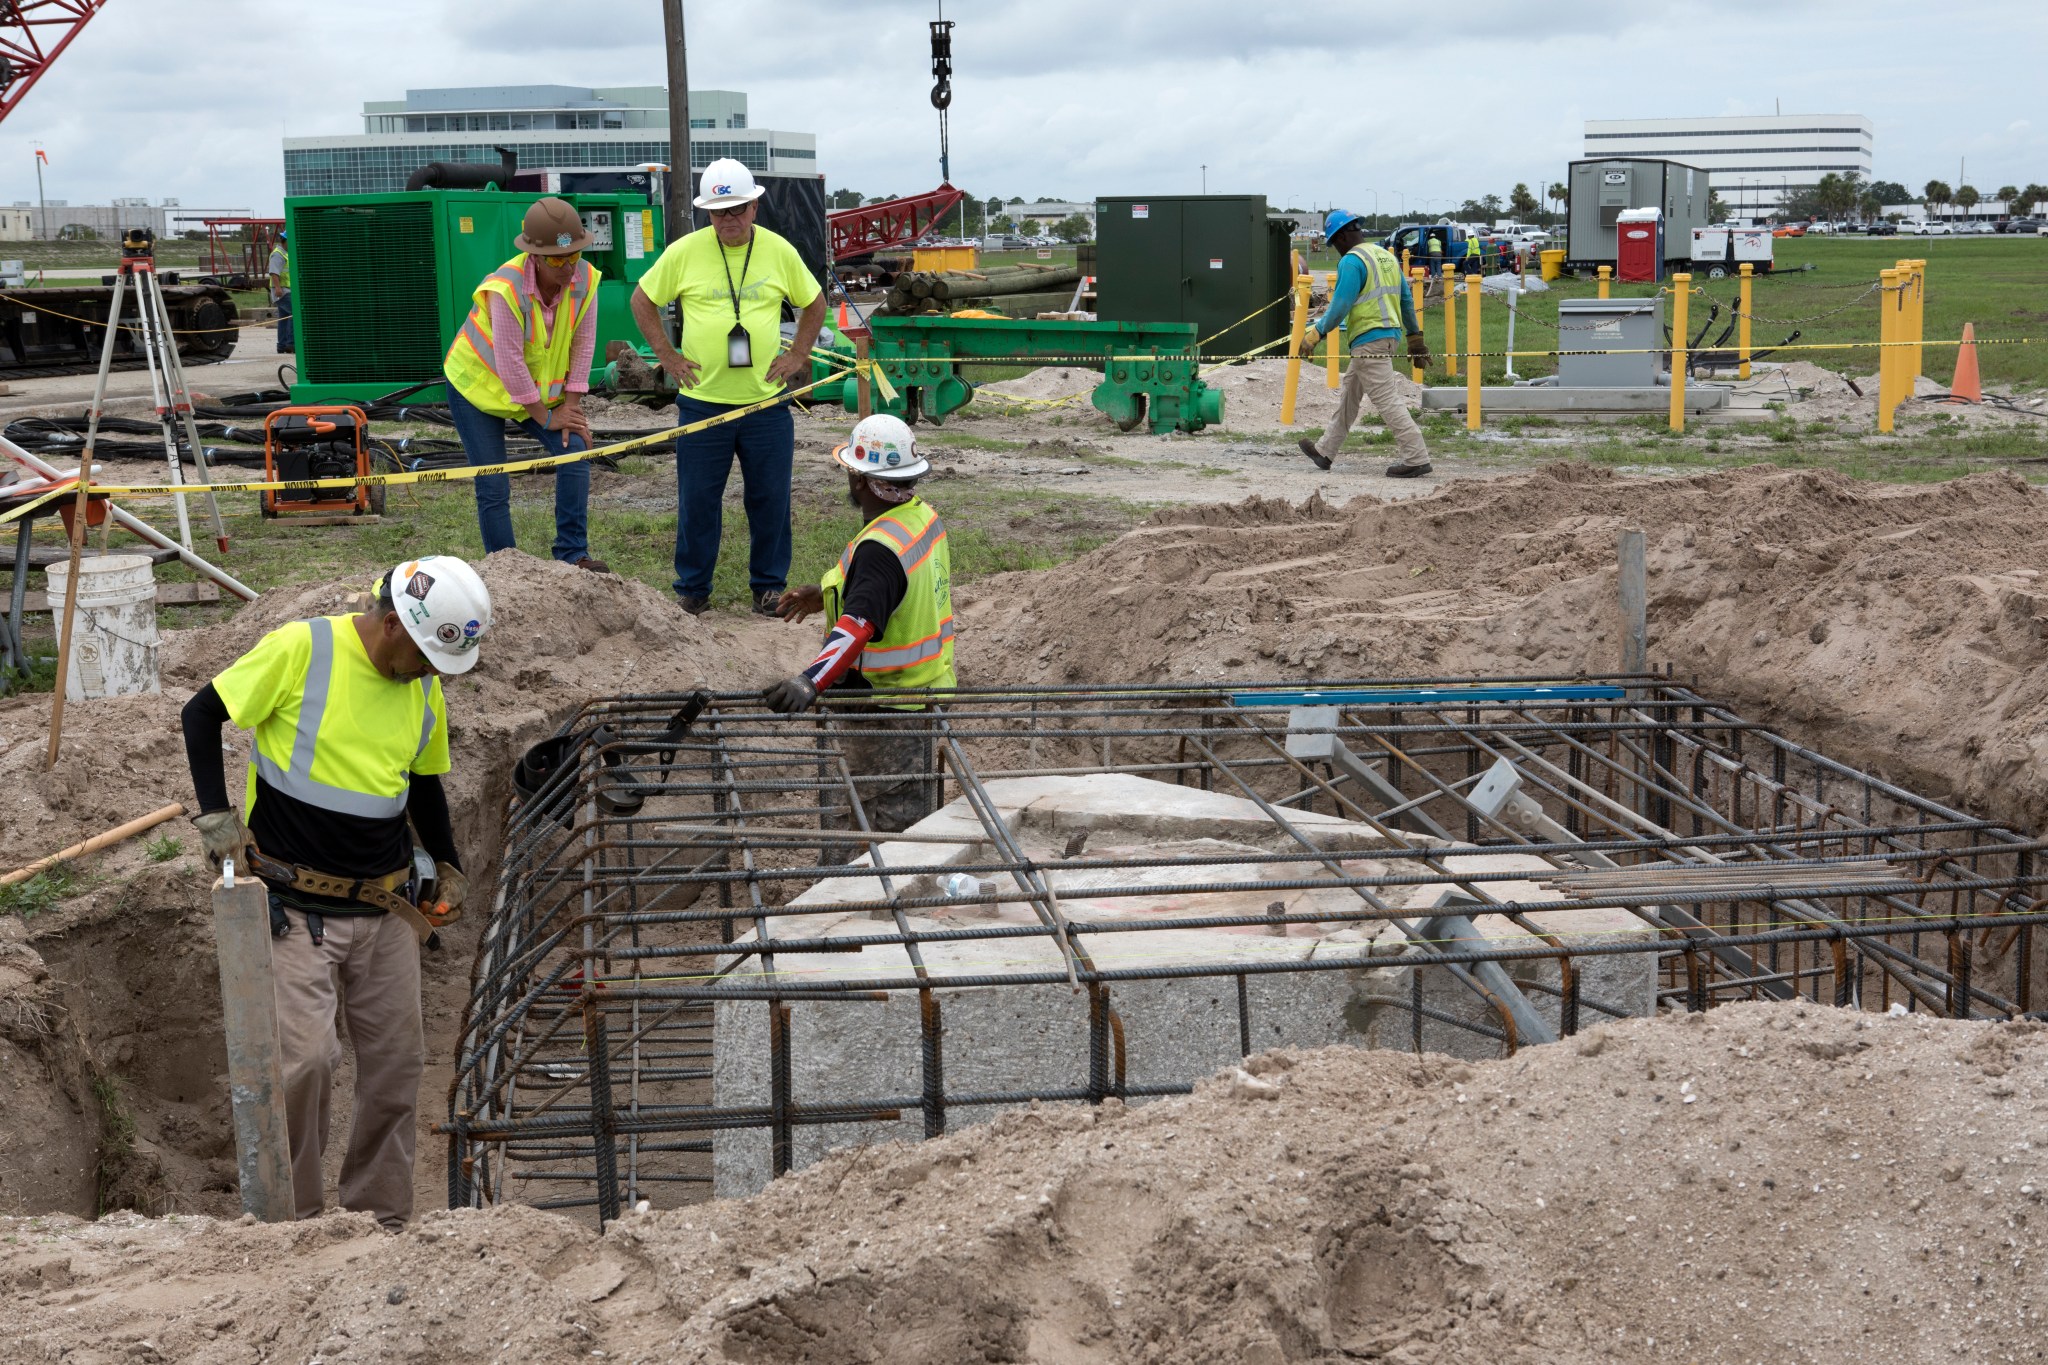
column 378, row 892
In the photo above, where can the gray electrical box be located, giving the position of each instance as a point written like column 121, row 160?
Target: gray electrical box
column 1635, row 326
column 1601, row 191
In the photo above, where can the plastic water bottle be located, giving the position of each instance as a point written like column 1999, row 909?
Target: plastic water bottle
column 960, row 884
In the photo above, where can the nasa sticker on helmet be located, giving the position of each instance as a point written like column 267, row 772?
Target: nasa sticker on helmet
column 472, row 629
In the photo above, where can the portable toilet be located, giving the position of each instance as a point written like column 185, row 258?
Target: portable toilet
column 1639, row 245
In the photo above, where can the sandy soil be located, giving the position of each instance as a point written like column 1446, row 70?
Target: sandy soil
column 1760, row 1183
column 1900, row 628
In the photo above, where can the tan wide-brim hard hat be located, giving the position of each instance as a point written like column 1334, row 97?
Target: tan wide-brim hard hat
column 552, row 229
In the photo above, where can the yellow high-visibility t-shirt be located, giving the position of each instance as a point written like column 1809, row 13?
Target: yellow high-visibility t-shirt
column 695, row 272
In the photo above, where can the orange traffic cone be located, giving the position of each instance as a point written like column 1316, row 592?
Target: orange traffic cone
column 1965, row 388
column 842, row 317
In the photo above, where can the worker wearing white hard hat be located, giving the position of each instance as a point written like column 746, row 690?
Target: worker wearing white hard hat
column 728, row 282
column 350, row 741
column 890, row 603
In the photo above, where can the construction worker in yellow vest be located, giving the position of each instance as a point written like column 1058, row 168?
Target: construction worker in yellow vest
column 890, row 602
column 350, row 738
column 1374, row 306
column 523, row 356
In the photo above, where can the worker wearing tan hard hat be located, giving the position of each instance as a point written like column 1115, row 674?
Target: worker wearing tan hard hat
column 350, row 741
column 523, row 356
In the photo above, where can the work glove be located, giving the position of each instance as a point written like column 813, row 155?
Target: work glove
column 224, row 836
column 451, row 891
column 1309, row 338
column 791, row 696
column 1418, row 351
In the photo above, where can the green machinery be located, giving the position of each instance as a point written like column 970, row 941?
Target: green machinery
column 381, row 283
column 1150, row 370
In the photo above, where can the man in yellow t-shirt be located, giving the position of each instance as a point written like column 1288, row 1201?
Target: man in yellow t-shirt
column 729, row 282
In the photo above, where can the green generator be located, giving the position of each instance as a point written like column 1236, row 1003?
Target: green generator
column 1216, row 260
column 381, row 283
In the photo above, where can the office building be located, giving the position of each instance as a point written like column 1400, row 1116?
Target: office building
column 546, row 126
column 1756, row 161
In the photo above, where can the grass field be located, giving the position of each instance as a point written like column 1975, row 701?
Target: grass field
column 1999, row 283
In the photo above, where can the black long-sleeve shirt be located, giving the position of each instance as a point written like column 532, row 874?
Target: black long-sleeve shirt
column 875, row 585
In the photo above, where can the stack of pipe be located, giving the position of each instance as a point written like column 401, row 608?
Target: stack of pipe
column 933, row 291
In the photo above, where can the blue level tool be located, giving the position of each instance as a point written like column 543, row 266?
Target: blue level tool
column 1430, row 696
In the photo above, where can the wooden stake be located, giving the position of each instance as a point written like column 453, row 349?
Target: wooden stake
column 96, row 843
column 241, row 929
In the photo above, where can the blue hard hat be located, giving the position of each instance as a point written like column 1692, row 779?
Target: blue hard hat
column 1336, row 220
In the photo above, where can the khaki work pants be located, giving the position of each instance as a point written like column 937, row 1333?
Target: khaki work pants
column 368, row 969
column 1371, row 376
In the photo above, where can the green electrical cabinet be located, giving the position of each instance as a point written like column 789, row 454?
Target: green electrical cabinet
column 381, row 283
column 1207, row 259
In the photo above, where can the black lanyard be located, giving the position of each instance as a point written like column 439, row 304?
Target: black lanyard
column 745, row 262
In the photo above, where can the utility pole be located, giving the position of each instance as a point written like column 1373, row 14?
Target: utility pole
column 1205, row 177
column 42, row 207
column 682, row 171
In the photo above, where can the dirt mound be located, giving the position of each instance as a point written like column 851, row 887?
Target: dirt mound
column 1903, row 629
column 1697, row 1188
column 121, row 1086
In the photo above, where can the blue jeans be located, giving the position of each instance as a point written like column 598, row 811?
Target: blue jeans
column 283, row 305
column 765, row 442
column 483, row 441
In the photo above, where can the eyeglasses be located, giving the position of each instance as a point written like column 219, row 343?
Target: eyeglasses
column 735, row 211
column 567, row 262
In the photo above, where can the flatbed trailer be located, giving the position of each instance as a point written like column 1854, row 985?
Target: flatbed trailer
column 59, row 329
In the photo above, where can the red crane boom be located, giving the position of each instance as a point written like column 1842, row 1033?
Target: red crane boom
column 893, row 222
column 32, row 34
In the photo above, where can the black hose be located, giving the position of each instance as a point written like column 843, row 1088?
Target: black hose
column 466, row 175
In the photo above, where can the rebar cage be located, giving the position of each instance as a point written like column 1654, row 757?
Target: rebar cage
column 653, row 988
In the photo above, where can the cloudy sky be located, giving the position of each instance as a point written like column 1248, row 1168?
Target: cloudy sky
column 1311, row 102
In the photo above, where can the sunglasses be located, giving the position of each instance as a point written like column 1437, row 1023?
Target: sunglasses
column 735, row 211
column 567, row 262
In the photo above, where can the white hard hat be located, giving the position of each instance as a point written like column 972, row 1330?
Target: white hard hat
column 882, row 447
column 446, row 609
column 726, row 182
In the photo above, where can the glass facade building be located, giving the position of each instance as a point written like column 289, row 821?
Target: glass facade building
column 551, row 127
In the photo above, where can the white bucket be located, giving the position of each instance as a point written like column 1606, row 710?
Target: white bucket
column 113, row 638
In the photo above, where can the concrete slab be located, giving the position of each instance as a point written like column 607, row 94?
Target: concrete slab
column 1009, row 1040
column 1699, row 397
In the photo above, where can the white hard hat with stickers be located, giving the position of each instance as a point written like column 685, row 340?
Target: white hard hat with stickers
column 882, row 447
column 445, row 607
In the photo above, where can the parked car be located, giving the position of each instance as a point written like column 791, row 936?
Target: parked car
column 1975, row 227
column 1881, row 228
column 1820, row 229
column 2024, row 227
column 1789, row 230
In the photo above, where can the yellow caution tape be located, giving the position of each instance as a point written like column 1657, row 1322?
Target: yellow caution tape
column 462, row 472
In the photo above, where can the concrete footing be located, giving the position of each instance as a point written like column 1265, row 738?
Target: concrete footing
column 1699, row 397
column 1006, row 1042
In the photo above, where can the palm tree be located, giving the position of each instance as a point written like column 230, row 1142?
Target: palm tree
column 1967, row 198
column 1934, row 194
column 1557, row 193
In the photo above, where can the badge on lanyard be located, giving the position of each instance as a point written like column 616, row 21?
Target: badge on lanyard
column 739, row 347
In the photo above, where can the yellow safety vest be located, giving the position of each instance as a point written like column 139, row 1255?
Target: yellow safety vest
column 350, row 743
column 1379, row 303
column 916, row 649
column 284, row 266
column 471, row 364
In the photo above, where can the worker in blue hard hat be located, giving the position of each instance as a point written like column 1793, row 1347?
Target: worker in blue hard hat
column 1374, row 305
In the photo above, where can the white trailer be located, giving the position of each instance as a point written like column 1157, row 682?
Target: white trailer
column 1720, row 250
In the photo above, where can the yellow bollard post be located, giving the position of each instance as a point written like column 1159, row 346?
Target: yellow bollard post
column 1681, row 294
column 1301, row 283
column 1448, row 282
column 1742, row 326
column 1333, row 337
column 1472, row 335
column 1606, row 278
column 1920, row 326
column 1418, row 279
column 1405, row 271
column 1891, row 298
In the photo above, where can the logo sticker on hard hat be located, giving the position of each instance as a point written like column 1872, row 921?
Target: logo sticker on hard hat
column 721, row 189
column 895, row 458
column 447, row 632
column 417, row 585
column 472, row 629
column 564, row 238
